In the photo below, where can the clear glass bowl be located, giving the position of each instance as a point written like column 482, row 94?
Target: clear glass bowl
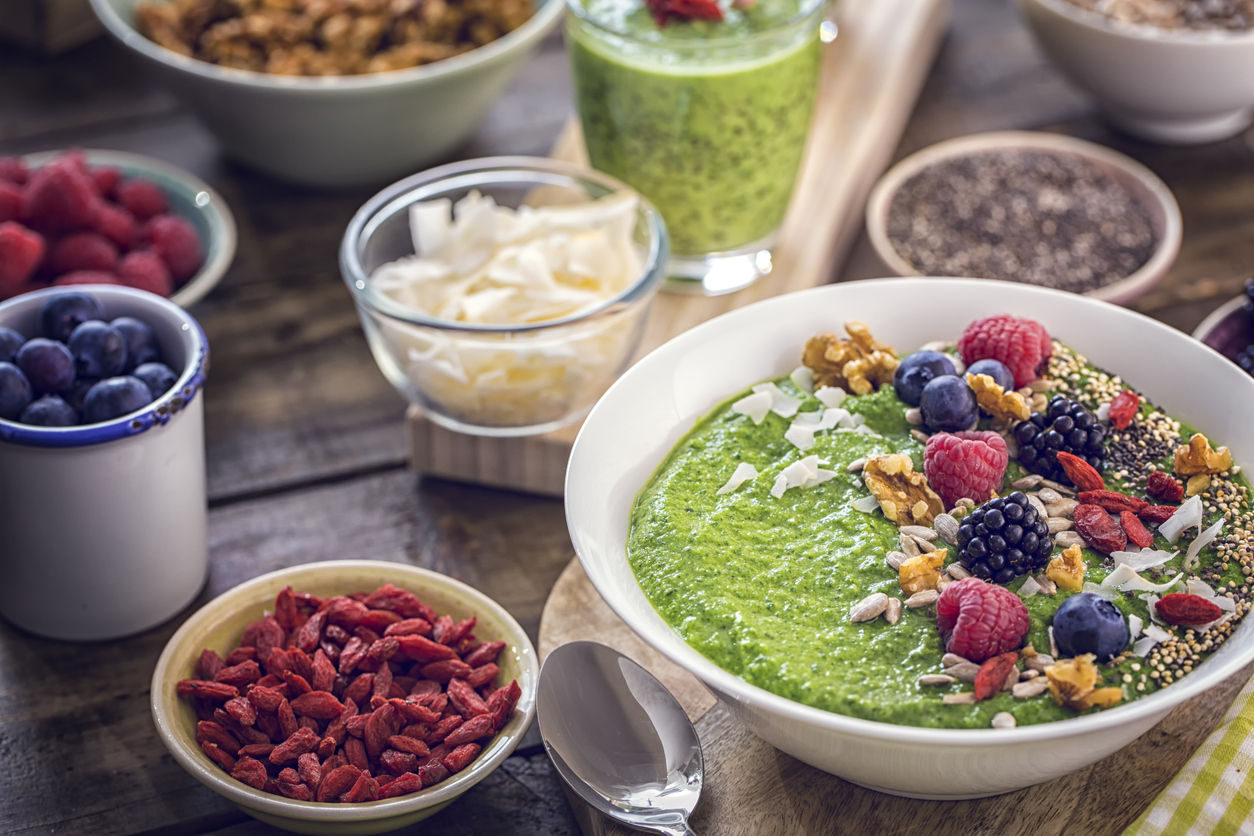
column 497, row 380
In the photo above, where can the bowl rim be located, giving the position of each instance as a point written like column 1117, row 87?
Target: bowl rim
column 535, row 27
column 411, row 189
column 723, row 681
column 209, row 774
column 1144, row 32
column 215, row 210
column 1124, row 290
column 1212, row 320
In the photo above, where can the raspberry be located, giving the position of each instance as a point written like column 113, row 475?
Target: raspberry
column 21, row 251
column 979, row 620
column 969, row 464
column 118, row 225
column 13, row 170
column 176, row 241
column 145, row 270
column 60, row 198
column 142, row 198
column 86, row 277
column 10, row 201
column 106, row 180
column 82, row 251
column 1022, row 345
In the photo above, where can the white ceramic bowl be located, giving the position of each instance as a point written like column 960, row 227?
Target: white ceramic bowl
column 636, row 423
column 345, row 130
column 1135, row 178
column 1171, row 86
column 219, row 624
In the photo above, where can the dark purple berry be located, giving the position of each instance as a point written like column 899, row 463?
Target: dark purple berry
column 15, row 391
column 48, row 365
column 49, row 411
column 158, row 377
column 113, row 398
column 141, row 342
column 10, row 342
column 62, row 313
column 99, row 349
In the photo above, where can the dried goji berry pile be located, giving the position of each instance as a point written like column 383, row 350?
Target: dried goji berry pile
column 392, row 699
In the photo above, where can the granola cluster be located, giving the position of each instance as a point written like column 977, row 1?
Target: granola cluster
column 327, row 37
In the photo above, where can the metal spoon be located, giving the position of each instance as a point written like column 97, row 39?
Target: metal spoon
column 619, row 738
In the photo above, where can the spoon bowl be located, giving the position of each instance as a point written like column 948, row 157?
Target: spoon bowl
column 619, row 739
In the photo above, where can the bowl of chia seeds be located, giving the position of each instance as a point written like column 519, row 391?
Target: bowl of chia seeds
column 1034, row 208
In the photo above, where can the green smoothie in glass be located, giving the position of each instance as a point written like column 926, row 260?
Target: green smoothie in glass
column 706, row 118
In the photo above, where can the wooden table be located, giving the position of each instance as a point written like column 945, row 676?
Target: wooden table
column 305, row 441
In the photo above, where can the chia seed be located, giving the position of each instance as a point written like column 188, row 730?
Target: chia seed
column 1176, row 14
column 1049, row 219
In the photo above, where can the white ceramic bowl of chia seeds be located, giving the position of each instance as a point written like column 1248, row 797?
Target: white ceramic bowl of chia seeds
column 640, row 419
column 1129, row 187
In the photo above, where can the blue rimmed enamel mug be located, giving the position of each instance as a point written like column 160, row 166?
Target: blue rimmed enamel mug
column 103, row 526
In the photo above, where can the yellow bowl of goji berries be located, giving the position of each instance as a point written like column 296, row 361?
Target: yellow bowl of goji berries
column 346, row 697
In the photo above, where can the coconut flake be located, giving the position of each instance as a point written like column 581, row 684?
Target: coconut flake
column 1224, row 603
column 1157, row 633
column 833, row 418
column 1188, row 514
column 756, row 406
column 809, row 419
column 743, row 473
column 1135, row 625
column 1201, row 588
column 1102, row 591
column 781, row 485
column 800, row 436
column 803, row 378
column 858, row 420
column 1129, row 581
column 1030, row 587
column 866, row 504
column 1144, row 646
column 1151, row 604
column 1144, row 559
column 782, row 404
column 865, row 429
column 1190, row 557
column 1211, row 624
column 831, row 396
column 1103, row 412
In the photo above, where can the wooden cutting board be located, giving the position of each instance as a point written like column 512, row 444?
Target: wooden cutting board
column 753, row 789
column 870, row 79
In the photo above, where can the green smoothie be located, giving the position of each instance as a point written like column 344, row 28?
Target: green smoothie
column 707, row 119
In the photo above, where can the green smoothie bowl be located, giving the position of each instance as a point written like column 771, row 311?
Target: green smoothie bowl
column 219, row 625
column 762, row 546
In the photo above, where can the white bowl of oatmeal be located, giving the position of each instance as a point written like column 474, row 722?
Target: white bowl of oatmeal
column 635, row 426
column 1169, row 78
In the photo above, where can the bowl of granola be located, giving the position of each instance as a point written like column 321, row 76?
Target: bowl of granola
column 329, row 94
column 1174, row 73
column 816, row 550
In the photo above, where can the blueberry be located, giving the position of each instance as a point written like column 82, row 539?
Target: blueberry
column 1001, row 375
column 64, row 312
column 157, row 377
column 49, row 411
column 113, row 398
column 141, row 342
column 15, row 391
column 78, row 392
column 48, row 365
column 948, row 405
column 914, row 372
column 10, row 342
column 99, row 349
column 1088, row 623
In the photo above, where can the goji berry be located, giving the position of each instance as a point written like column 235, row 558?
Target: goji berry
column 472, row 730
column 460, row 758
column 245, row 673
column 1164, row 488
column 1082, row 474
column 244, row 712
column 415, row 712
column 207, row 730
column 442, row 730
column 345, row 611
column 1137, row 534
column 403, row 785
column 296, row 684
column 991, row 677
column 208, row 665
column 409, row 745
column 367, row 636
column 291, row 786
column 446, row 670
column 351, row 655
column 240, row 654
column 323, row 678
column 1156, row 513
column 458, row 631
column 287, row 720
column 304, row 740
column 398, row 763
column 355, row 751
column 1113, row 501
column 465, row 701
column 423, row 649
column 250, row 771
column 365, row 788
column 1123, row 409
column 1099, row 529
column 483, row 675
column 382, row 682
column 400, row 601
column 285, row 611
column 299, row 662
column 484, row 653
column 338, row 780
column 317, row 704
column 310, row 770
column 432, row 773
column 408, row 627
column 257, row 750
column 1187, row 610
column 203, row 690
column 217, row 755
column 307, row 635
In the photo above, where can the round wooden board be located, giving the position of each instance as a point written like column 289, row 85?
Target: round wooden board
column 753, row 789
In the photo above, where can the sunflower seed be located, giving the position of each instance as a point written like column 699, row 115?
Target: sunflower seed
column 921, row 531
column 1048, row 495
column 1041, row 512
column 1003, row 720
column 1012, row 446
column 1039, row 662
column 1064, row 508
column 1031, row 688
column 1043, row 385
column 925, row 545
column 965, row 502
column 966, row 671
column 1058, row 524
column 892, row 614
column 909, row 546
column 869, row 607
column 936, row 679
column 1027, row 674
column 1048, row 587
column 961, row 698
column 919, row 436
column 914, row 416
column 1029, row 481
column 946, row 528
column 942, row 583
column 1053, row 645
column 895, row 559
column 856, row 465
column 1066, row 539
column 951, row 659
column 1062, row 489
column 956, row 571
column 1012, row 678
column 923, row 598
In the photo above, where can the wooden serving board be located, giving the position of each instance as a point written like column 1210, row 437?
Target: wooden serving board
column 869, row 81
column 753, row 789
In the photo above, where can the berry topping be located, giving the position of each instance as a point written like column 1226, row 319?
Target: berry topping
column 145, row 270
column 1160, row 486
column 948, row 405
column 85, row 277
column 10, row 342
column 47, row 364
column 1187, row 610
column 21, row 251
column 99, row 349
column 1064, row 426
column 1023, row 345
column 176, row 241
column 15, row 391
column 142, row 198
column 1003, row 539
column 62, row 313
column 10, row 201
column 113, row 398
column 664, row 10
column 49, row 411
column 141, row 342
column 914, row 372
column 979, row 620
column 969, row 464
column 995, row 369
column 106, row 180
column 118, row 225
column 13, row 170
column 1088, row 623
column 158, row 377
column 83, row 251
column 60, row 197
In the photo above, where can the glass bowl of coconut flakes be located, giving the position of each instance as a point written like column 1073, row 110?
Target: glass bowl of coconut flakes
column 504, row 295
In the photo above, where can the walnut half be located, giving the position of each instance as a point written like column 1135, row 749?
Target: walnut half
column 904, row 495
column 859, row 365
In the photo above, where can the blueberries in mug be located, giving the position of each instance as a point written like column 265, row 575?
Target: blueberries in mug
column 15, row 392
column 10, row 342
column 48, row 365
column 115, row 397
column 49, row 411
column 158, row 377
column 62, row 313
column 141, row 342
column 99, row 349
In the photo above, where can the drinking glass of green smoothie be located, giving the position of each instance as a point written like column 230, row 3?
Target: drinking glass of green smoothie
column 707, row 118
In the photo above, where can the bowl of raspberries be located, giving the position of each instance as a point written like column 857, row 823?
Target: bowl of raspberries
column 110, row 217
column 347, row 696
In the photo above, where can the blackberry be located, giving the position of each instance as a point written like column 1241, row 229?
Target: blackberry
column 1064, row 425
column 1003, row 539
